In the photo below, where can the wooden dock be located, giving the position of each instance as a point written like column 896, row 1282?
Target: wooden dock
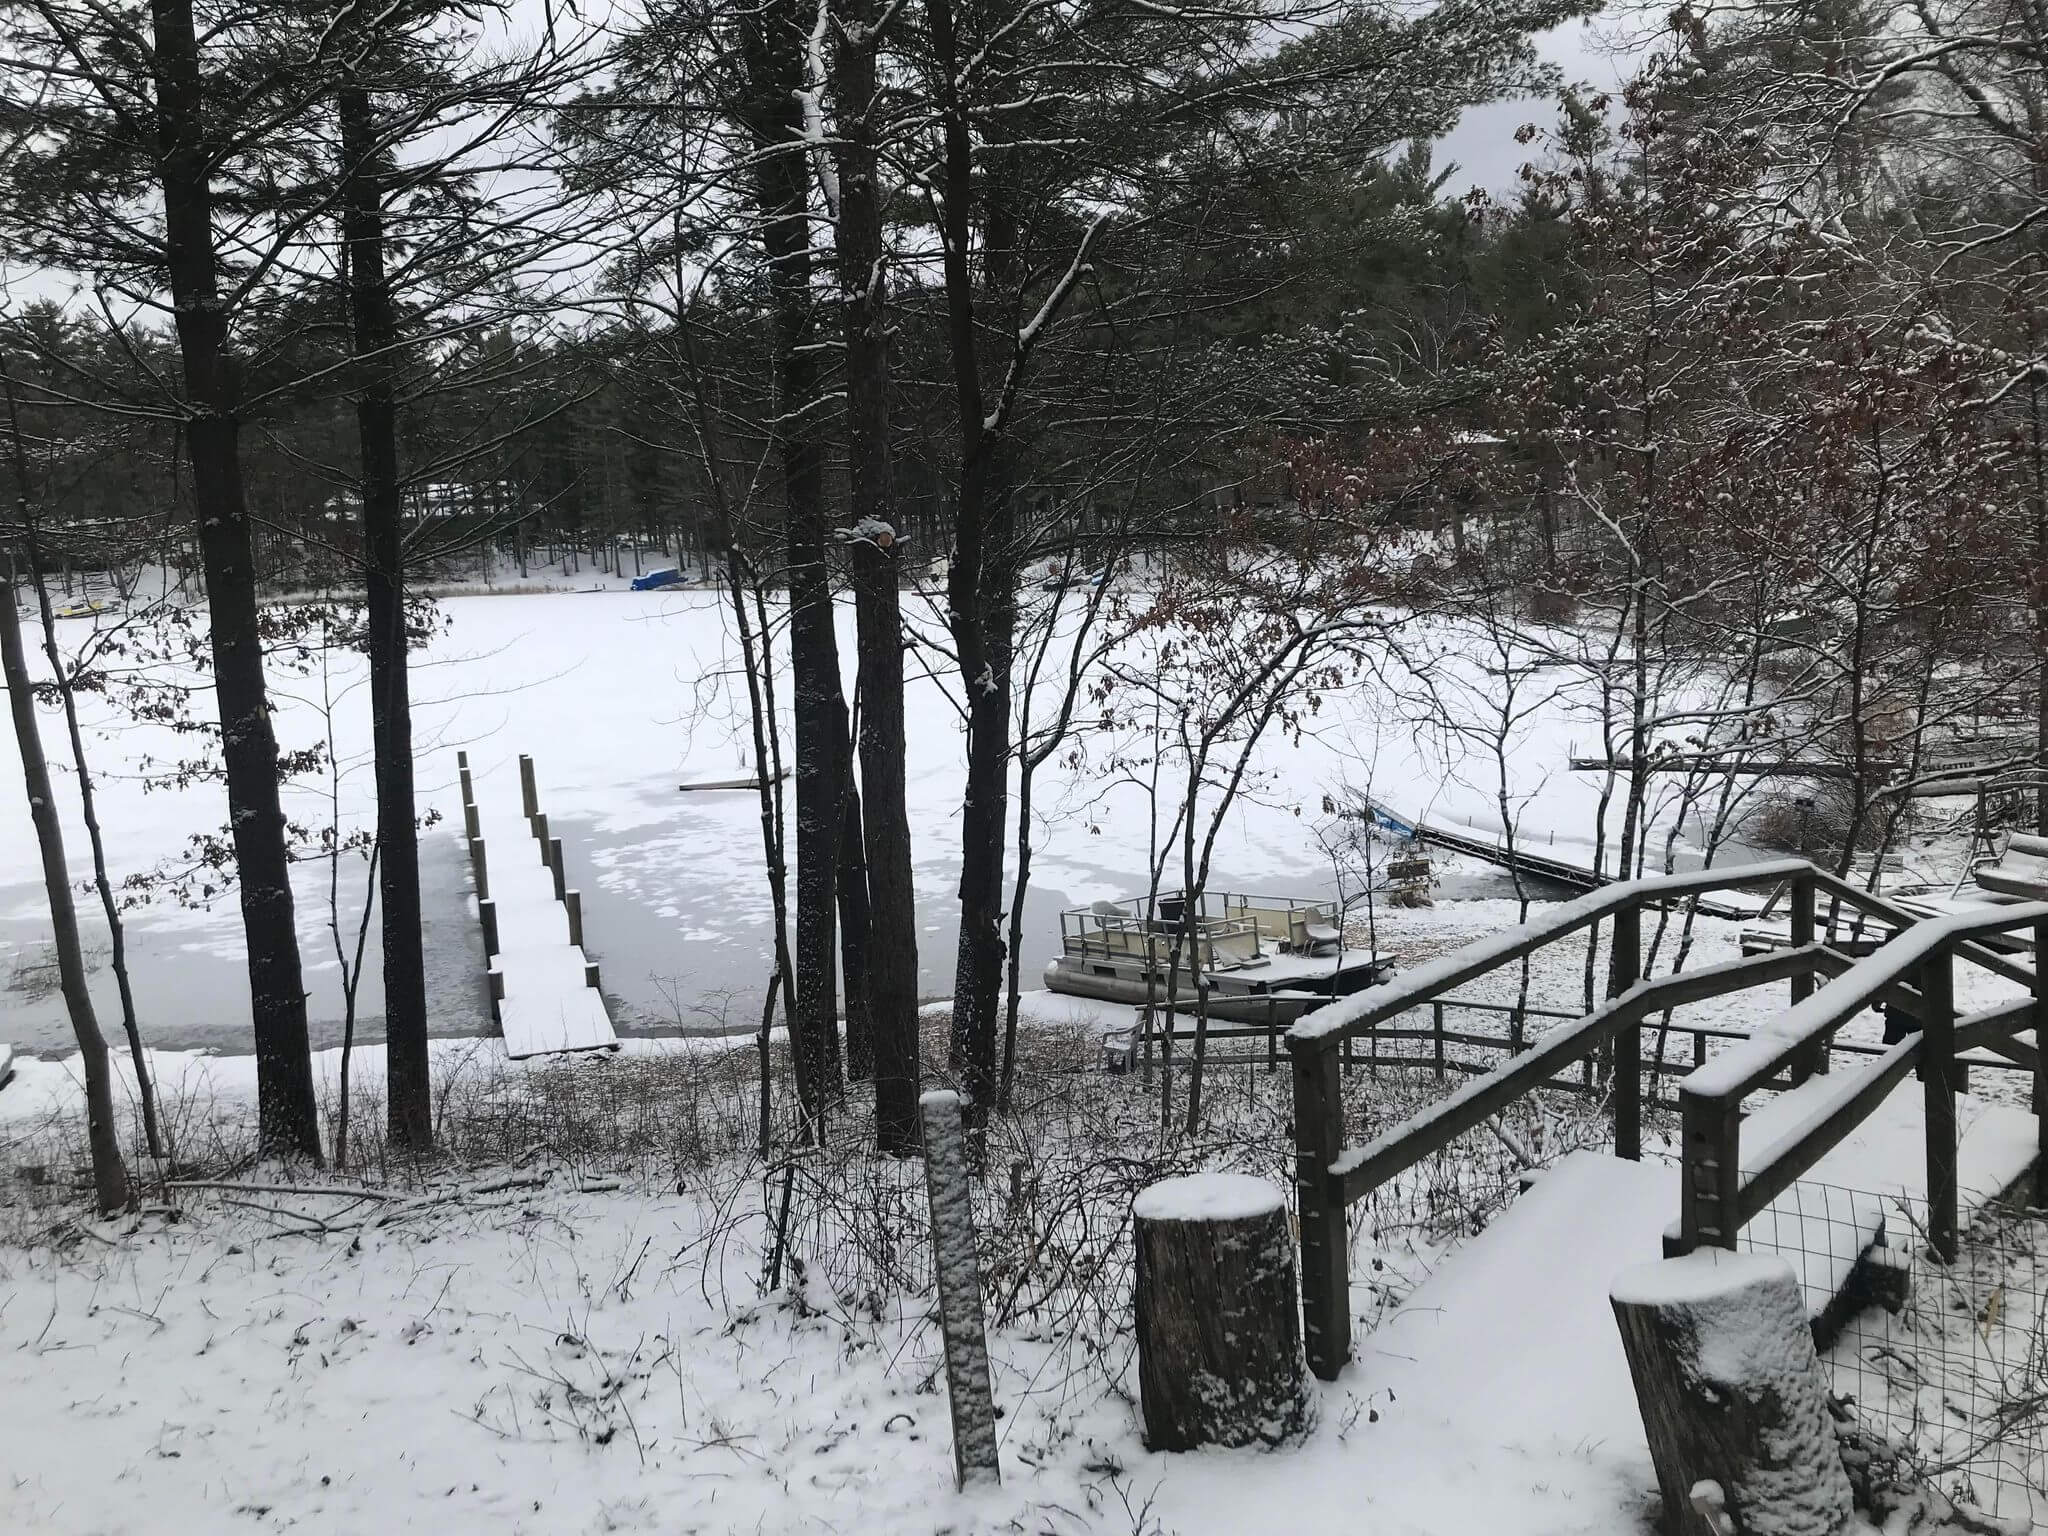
column 1494, row 850
column 544, row 988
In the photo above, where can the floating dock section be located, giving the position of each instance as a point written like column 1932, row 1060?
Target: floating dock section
column 544, row 988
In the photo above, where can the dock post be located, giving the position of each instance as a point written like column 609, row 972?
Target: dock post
column 480, row 869
column 529, row 794
column 554, row 863
column 471, row 825
column 572, row 903
column 487, row 918
column 539, row 823
column 462, row 772
column 590, row 976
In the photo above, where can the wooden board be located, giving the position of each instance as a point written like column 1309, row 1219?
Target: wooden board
column 753, row 782
column 540, row 1025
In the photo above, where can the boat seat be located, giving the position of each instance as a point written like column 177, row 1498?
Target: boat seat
column 1322, row 933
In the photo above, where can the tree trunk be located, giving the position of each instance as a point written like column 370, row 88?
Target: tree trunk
column 874, row 555
column 109, row 1176
column 287, row 1112
column 855, row 925
column 773, row 41
column 1219, row 1327
column 117, row 933
column 410, row 1101
column 1732, row 1396
column 980, row 590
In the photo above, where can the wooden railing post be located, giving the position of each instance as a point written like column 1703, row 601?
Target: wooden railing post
column 1625, row 970
column 1937, row 1077
column 1711, row 1175
column 1325, row 1230
column 1437, row 1008
column 1816, row 1060
column 2041, row 1062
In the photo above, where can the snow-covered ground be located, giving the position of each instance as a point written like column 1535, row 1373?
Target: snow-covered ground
column 620, row 697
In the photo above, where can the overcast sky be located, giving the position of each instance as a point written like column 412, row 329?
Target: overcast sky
column 1483, row 144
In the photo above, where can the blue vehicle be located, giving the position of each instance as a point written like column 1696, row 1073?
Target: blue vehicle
column 654, row 581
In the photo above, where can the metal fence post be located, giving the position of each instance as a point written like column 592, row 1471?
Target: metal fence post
column 1937, row 1077
column 1325, row 1231
column 1437, row 1008
column 1625, row 970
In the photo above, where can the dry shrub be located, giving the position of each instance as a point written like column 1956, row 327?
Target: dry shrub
column 1552, row 605
column 1821, row 826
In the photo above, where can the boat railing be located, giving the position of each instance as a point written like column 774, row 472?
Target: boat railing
column 1223, row 943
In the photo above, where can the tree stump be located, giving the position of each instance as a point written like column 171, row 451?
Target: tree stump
column 1732, row 1396
column 1219, row 1325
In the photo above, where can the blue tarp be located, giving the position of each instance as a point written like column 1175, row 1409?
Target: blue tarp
column 671, row 577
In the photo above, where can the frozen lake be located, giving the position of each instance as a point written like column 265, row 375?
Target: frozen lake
column 620, row 697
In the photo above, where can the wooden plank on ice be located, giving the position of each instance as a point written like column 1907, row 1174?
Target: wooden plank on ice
column 541, row 1025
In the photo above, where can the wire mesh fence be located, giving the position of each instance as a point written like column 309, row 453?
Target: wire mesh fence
column 1948, row 1361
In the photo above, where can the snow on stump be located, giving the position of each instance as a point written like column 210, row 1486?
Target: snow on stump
column 1219, row 1328
column 1732, row 1396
